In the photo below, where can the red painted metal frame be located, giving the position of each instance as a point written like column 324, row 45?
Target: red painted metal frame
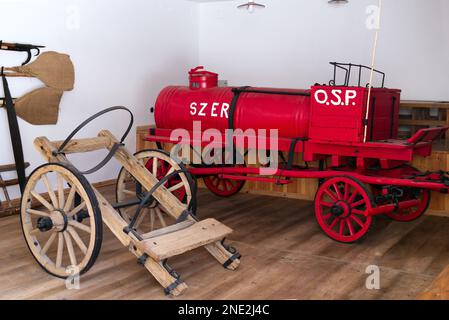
column 391, row 150
column 400, row 151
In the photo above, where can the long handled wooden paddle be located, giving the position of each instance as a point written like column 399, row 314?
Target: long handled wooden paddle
column 54, row 69
column 39, row 107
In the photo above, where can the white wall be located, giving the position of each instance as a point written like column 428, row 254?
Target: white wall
column 124, row 53
column 291, row 42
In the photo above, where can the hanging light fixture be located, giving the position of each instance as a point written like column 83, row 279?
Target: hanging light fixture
column 251, row 6
column 337, row 2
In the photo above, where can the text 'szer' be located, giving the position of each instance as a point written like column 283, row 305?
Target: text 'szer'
column 214, row 109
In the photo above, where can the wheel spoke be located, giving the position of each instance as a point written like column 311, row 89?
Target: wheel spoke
column 350, row 227
column 70, row 249
column 35, row 232
column 331, row 195
column 333, row 224
column 337, row 191
column 326, row 204
column 44, row 202
column 79, row 225
column 172, row 169
column 61, row 195
column 129, row 192
column 353, row 195
column 229, row 184
column 60, row 250
column 70, row 199
column 176, row 187
column 77, row 239
column 346, row 193
column 160, row 216
column 155, row 163
column 358, row 203
column 327, row 216
column 51, row 193
column 342, row 227
column 80, row 207
column 152, row 217
column 359, row 212
column 38, row 213
column 49, row 243
column 223, row 185
column 142, row 215
column 357, row 220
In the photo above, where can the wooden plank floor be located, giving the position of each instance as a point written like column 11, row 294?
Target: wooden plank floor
column 285, row 256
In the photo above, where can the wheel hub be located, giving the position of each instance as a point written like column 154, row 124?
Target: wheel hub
column 341, row 210
column 44, row 224
column 59, row 220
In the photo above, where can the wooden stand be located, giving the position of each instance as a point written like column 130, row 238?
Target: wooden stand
column 153, row 248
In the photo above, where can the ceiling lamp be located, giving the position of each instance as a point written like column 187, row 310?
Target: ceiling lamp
column 338, row 2
column 251, row 6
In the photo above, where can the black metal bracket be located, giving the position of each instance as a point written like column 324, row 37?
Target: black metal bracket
column 347, row 67
column 149, row 195
column 235, row 254
column 172, row 287
column 142, row 259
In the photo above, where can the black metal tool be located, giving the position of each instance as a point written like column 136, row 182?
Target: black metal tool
column 21, row 47
column 15, row 134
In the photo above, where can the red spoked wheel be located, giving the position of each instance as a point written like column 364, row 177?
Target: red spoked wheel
column 412, row 213
column 340, row 206
column 224, row 187
column 409, row 214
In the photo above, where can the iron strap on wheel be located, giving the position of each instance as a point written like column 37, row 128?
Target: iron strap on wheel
column 149, row 195
column 114, row 147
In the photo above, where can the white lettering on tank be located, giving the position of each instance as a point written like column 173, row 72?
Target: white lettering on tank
column 224, row 110
column 193, row 110
column 203, row 107
column 213, row 112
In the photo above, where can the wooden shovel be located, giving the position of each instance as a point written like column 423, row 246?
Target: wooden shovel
column 39, row 107
column 54, row 69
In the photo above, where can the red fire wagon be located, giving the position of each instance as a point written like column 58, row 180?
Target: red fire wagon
column 362, row 167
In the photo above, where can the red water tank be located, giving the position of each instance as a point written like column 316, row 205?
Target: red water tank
column 254, row 108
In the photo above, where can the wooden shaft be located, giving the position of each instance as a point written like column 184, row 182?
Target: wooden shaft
column 168, row 200
column 11, row 167
column 83, row 145
column 8, row 183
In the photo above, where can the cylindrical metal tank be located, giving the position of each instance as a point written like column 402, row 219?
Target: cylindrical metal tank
column 286, row 110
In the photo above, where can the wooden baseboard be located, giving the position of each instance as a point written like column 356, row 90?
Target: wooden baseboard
column 15, row 203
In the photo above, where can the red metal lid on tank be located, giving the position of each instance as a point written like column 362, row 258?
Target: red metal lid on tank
column 202, row 79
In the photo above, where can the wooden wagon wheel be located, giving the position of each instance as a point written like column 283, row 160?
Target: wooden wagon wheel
column 224, row 187
column 159, row 164
column 63, row 237
column 340, row 204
